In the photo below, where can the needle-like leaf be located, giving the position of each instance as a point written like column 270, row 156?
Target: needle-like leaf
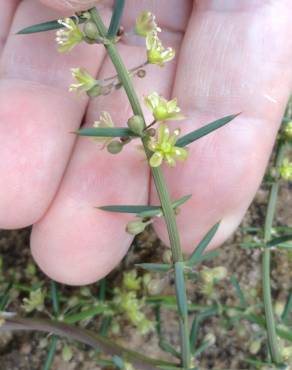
column 106, row 132
column 46, row 26
column 198, row 252
column 205, row 130
column 282, row 239
column 143, row 211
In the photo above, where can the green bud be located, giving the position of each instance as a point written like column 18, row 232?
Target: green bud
column 286, row 353
column 95, row 91
column 90, row 30
column 210, row 338
column 207, row 276
column 155, row 286
column 255, row 346
column 131, row 281
column 167, row 257
column 219, row 273
column 136, row 227
column 136, row 124
column 115, row 147
column 279, row 308
column 231, row 312
column 67, row 353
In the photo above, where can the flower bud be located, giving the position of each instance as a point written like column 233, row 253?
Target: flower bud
column 255, row 347
column 210, row 337
column 286, row 170
column 207, row 276
column 136, row 227
column 90, row 30
column 286, row 353
column 97, row 90
column 167, row 257
column 219, row 273
column 279, row 308
column 115, row 147
column 155, row 286
column 136, row 124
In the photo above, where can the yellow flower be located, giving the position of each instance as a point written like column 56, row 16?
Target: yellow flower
column 146, row 23
column 286, row 170
column 156, row 53
column 105, row 121
column 163, row 147
column 163, row 110
column 35, row 301
column 69, row 36
column 84, row 81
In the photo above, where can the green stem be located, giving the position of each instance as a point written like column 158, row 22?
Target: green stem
column 266, row 265
column 51, row 354
column 54, row 340
column 158, row 177
column 55, row 298
column 116, row 18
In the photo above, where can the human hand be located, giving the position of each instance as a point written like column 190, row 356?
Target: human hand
column 231, row 57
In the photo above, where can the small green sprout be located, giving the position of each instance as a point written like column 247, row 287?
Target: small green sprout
column 145, row 23
column 164, row 149
column 156, row 53
column 162, row 109
column 69, row 36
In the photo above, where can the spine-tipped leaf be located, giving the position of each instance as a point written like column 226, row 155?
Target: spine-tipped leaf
column 46, row 26
column 198, row 252
column 116, row 18
column 277, row 241
column 205, row 130
column 106, row 132
column 143, row 211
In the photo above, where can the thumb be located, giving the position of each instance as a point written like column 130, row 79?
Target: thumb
column 75, row 5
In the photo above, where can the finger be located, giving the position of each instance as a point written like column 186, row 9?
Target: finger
column 36, row 115
column 75, row 243
column 6, row 15
column 234, row 60
column 74, row 5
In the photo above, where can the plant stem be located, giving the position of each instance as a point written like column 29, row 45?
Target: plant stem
column 51, row 354
column 116, row 18
column 55, row 297
column 266, row 264
column 158, row 177
column 83, row 336
column 54, row 340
